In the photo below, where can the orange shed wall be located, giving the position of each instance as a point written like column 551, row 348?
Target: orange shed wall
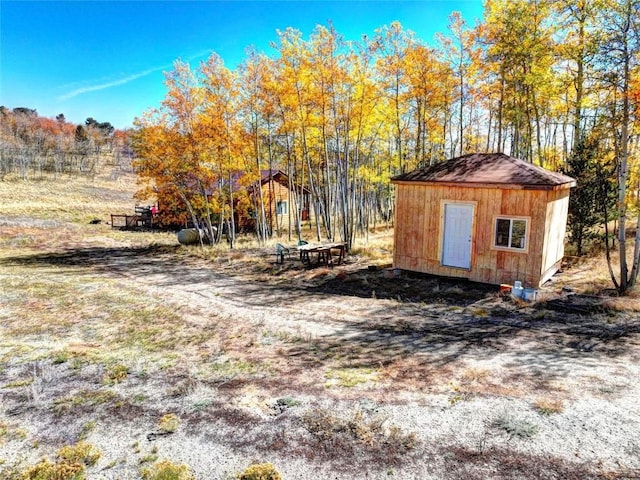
column 418, row 232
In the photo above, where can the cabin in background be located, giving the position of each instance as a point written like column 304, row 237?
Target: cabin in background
column 281, row 199
column 489, row 218
column 284, row 203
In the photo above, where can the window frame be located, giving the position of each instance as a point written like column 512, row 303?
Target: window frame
column 281, row 207
column 511, row 219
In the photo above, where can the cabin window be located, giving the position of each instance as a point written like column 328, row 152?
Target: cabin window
column 511, row 233
column 281, row 207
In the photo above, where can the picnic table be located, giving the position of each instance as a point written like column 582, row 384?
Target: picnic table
column 329, row 254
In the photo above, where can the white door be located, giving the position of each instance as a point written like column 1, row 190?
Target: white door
column 456, row 235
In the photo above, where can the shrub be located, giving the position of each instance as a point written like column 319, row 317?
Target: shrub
column 515, row 427
column 169, row 423
column 46, row 470
column 288, row 402
column 329, row 428
column 60, row 356
column 116, row 374
column 166, row 470
column 260, row 471
column 81, row 452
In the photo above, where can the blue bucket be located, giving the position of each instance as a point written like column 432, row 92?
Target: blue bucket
column 529, row 294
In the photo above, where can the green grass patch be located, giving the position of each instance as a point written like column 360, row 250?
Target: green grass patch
column 23, row 382
column 116, row 374
column 84, row 398
column 86, row 429
column 11, row 432
column 350, row 377
column 230, row 367
column 514, row 426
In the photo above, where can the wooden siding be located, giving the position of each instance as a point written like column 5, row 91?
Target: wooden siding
column 555, row 230
column 274, row 192
column 418, row 231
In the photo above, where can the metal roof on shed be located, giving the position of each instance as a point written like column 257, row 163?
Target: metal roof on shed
column 488, row 168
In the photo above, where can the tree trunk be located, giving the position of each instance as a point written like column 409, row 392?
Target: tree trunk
column 623, row 173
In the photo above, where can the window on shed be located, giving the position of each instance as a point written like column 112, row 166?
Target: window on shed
column 281, row 207
column 511, row 233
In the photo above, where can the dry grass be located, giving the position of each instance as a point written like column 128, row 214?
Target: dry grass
column 628, row 303
column 375, row 249
column 475, row 375
column 590, row 275
column 86, row 310
column 68, row 199
column 548, row 406
column 358, row 434
column 169, row 423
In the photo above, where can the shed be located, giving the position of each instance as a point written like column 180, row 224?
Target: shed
column 486, row 217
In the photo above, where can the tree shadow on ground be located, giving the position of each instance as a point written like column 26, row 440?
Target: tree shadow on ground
column 409, row 287
column 440, row 319
column 99, row 258
column 441, row 338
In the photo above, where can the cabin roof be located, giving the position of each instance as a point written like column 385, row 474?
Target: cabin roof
column 265, row 176
column 488, row 168
column 277, row 176
column 274, row 174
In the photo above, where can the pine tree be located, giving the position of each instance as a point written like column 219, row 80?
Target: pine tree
column 591, row 198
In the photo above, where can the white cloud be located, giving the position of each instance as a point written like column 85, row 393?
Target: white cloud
column 125, row 80
column 103, row 86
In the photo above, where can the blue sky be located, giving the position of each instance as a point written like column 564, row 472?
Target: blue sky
column 104, row 59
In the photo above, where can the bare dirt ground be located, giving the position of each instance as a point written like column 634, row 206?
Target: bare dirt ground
column 346, row 373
